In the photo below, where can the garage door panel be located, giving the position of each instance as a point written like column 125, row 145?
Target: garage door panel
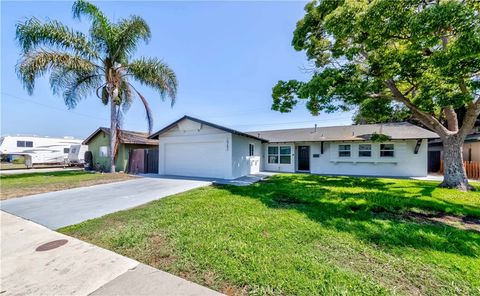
column 200, row 159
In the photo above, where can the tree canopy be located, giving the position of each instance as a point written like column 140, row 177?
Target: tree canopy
column 380, row 111
column 423, row 54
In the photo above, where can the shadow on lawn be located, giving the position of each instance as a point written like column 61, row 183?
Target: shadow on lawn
column 372, row 210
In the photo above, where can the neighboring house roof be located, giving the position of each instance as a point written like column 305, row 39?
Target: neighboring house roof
column 471, row 138
column 126, row 137
column 396, row 131
column 226, row 129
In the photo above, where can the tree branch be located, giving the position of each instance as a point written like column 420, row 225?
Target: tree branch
column 473, row 111
column 452, row 119
column 463, row 87
column 424, row 117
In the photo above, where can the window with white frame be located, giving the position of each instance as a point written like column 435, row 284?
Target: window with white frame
column 344, row 150
column 66, row 150
column 364, row 150
column 387, row 150
column 285, row 154
column 272, row 154
column 280, row 154
column 103, row 151
column 251, row 149
column 28, row 144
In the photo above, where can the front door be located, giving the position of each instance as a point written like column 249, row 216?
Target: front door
column 434, row 161
column 303, row 158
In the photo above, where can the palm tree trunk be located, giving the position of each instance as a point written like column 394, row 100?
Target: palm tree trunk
column 113, row 134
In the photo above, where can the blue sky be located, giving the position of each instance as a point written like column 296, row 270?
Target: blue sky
column 227, row 57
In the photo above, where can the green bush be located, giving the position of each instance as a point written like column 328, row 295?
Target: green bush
column 20, row 160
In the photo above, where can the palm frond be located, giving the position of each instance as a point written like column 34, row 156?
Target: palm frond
column 130, row 31
column 101, row 28
column 81, row 7
column 148, row 110
column 37, row 63
column 104, row 96
column 125, row 94
column 156, row 74
column 32, row 33
column 74, row 85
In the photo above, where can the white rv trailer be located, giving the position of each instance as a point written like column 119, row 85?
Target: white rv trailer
column 38, row 150
column 76, row 155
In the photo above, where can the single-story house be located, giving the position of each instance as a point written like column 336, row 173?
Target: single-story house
column 193, row 147
column 99, row 145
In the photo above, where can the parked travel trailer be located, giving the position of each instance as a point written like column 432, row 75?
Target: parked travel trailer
column 76, row 155
column 38, row 150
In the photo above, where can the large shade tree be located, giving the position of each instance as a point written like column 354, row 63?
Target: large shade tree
column 421, row 54
column 98, row 63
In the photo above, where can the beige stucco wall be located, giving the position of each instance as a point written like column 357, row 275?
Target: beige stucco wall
column 472, row 150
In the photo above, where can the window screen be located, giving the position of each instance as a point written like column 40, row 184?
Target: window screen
column 387, row 150
column 285, row 154
column 280, row 154
column 344, row 150
column 364, row 150
column 251, row 149
column 103, row 151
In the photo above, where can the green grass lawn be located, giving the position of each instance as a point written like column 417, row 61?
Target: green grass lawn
column 306, row 235
column 33, row 183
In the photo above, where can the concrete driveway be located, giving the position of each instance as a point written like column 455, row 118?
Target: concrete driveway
column 62, row 208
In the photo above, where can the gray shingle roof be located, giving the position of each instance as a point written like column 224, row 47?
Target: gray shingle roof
column 126, row 137
column 226, row 129
column 396, row 131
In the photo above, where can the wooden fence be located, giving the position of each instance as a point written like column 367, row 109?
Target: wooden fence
column 143, row 161
column 471, row 167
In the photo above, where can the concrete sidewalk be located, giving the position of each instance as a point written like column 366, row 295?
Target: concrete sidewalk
column 76, row 267
column 438, row 178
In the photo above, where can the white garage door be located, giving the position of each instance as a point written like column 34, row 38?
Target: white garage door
column 199, row 159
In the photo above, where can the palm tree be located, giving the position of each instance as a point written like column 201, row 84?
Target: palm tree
column 99, row 63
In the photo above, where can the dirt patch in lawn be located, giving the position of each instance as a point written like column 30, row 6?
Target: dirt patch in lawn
column 13, row 186
column 160, row 252
column 463, row 223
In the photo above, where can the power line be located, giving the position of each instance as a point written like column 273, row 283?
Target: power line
column 52, row 107
column 258, row 111
column 241, row 112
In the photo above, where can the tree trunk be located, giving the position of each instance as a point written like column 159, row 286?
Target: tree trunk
column 454, row 174
column 113, row 134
